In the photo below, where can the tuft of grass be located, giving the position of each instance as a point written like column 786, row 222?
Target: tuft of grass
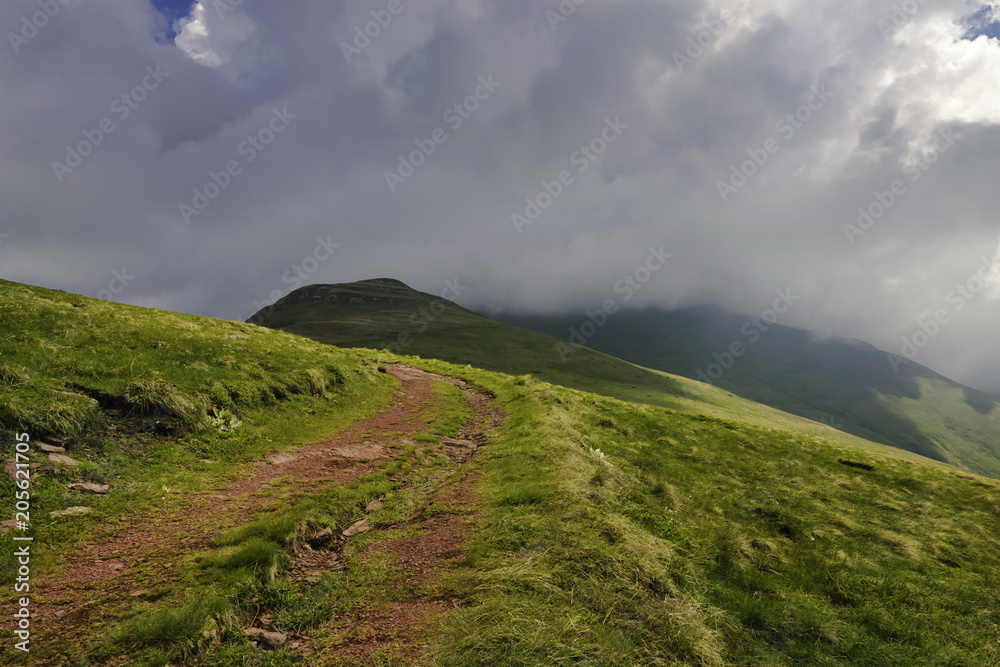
column 182, row 631
column 13, row 376
column 522, row 495
column 159, row 398
column 258, row 555
column 41, row 410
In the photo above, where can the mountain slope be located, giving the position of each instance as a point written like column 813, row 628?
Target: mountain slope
column 386, row 314
column 848, row 383
column 596, row 531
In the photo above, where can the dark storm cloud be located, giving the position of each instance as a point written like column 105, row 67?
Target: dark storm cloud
column 314, row 205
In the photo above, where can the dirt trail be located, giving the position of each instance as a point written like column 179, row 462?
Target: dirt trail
column 99, row 583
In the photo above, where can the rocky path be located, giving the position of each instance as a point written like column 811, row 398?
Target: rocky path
column 103, row 581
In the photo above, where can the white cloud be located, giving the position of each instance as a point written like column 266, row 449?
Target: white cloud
column 228, row 42
column 325, row 175
column 193, row 38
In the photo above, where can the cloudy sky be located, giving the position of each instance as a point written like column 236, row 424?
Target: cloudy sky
column 209, row 158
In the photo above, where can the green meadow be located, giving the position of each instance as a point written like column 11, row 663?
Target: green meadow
column 621, row 516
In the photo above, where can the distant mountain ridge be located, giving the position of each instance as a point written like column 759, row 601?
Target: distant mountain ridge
column 847, row 382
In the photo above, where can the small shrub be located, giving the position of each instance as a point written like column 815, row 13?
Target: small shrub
column 225, row 420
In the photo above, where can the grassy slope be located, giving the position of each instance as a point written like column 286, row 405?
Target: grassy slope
column 698, row 541
column 375, row 314
column 848, row 381
column 388, row 314
column 131, row 389
column 694, row 540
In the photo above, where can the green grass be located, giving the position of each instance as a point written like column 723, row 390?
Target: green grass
column 710, row 531
column 457, row 412
column 843, row 382
column 132, row 390
column 710, row 542
column 847, row 382
column 181, row 630
column 375, row 314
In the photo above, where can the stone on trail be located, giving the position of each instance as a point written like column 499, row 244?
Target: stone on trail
column 51, row 449
column 60, row 458
column 272, row 639
column 362, row 526
column 88, row 487
column 373, row 505
column 72, row 511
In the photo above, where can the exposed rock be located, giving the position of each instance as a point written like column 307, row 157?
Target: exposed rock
column 7, row 526
column 373, row 505
column 61, row 458
column 362, row 526
column 278, row 459
column 50, row 449
column 72, row 511
column 10, row 465
column 89, row 487
column 72, row 393
column 75, row 612
column 272, row 639
column 455, row 442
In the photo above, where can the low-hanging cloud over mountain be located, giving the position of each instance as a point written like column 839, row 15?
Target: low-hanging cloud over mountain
column 208, row 157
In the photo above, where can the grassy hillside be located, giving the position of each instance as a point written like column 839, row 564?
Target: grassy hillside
column 386, row 314
column 846, row 384
column 65, row 360
column 618, row 534
column 600, row 532
column 155, row 405
column 847, row 381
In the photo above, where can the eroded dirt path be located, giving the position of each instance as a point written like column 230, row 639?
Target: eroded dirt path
column 100, row 583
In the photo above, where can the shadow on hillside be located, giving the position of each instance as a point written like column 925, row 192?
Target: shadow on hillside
column 980, row 402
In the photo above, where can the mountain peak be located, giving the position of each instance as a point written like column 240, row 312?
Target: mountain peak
column 388, row 282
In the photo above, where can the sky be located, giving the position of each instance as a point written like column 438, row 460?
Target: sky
column 211, row 157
